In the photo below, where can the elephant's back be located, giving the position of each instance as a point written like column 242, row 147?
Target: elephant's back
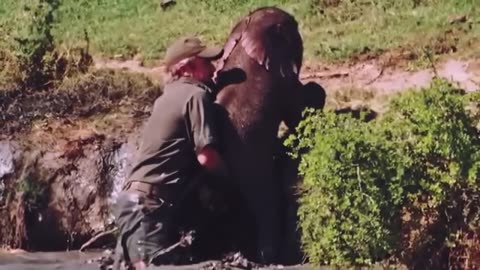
column 261, row 62
column 253, row 105
column 265, row 47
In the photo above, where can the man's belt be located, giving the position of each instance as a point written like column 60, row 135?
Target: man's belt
column 150, row 190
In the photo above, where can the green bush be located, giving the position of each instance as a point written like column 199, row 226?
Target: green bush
column 361, row 177
column 33, row 43
column 29, row 51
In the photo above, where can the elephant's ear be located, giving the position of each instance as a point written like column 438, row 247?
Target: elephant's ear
column 277, row 47
column 311, row 95
column 232, row 41
column 271, row 39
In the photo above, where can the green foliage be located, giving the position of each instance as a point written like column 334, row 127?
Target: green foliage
column 29, row 53
column 33, row 43
column 474, row 107
column 34, row 190
column 438, row 136
column 345, row 199
column 360, row 177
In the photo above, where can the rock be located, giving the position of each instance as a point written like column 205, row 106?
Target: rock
column 9, row 153
column 83, row 187
column 164, row 4
column 458, row 19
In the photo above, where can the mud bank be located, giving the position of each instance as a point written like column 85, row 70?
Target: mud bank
column 57, row 194
column 377, row 74
column 64, row 153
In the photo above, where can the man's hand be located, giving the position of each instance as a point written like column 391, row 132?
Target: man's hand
column 210, row 159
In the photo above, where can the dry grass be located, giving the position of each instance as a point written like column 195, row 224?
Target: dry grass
column 357, row 99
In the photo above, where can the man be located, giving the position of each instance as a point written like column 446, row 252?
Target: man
column 179, row 136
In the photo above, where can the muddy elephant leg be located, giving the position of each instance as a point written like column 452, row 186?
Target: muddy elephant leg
column 310, row 95
column 267, row 215
column 287, row 174
column 262, row 196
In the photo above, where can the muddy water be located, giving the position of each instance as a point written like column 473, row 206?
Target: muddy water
column 47, row 260
column 86, row 261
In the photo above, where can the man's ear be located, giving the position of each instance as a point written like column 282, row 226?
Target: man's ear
column 182, row 67
column 188, row 67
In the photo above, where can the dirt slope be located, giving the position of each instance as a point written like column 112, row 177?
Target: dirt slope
column 372, row 74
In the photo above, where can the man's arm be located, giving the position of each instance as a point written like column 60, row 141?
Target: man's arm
column 210, row 159
column 204, row 131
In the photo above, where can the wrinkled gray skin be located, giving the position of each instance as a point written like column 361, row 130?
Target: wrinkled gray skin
column 260, row 88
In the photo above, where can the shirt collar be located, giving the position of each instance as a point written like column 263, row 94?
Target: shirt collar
column 210, row 86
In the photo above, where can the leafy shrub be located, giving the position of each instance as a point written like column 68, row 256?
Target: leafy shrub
column 361, row 179
column 32, row 186
column 33, row 43
column 35, row 192
column 344, row 201
column 30, row 49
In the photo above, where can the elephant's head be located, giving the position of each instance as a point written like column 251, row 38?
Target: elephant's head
column 269, row 36
column 268, row 39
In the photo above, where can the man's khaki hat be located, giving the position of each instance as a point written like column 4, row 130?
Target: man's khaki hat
column 189, row 46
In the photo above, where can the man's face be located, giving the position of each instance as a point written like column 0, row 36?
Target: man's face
column 201, row 69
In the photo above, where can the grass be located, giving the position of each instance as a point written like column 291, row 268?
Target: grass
column 332, row 29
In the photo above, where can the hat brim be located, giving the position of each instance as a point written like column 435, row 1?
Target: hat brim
column 211, row 53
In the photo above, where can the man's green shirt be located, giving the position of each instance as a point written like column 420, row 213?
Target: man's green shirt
column 181, row 123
